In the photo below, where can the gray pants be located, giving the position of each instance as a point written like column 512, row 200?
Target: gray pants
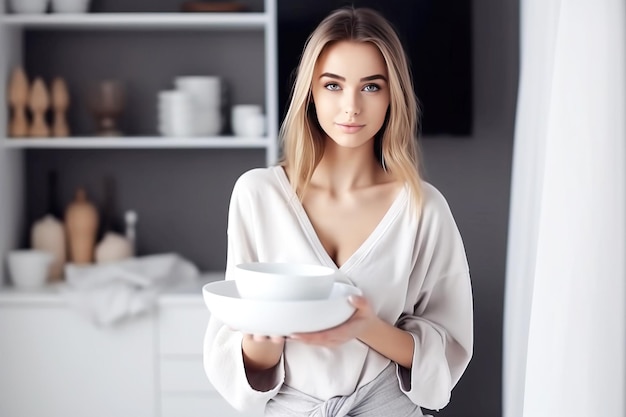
column 379, row 398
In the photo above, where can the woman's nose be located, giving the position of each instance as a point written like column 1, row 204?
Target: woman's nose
column 351, row 105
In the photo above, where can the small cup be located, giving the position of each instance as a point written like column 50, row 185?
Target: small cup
column 29, row 268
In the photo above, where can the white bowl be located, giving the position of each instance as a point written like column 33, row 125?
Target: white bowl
column 29, row 268
column 278, row 318
column 283, row 281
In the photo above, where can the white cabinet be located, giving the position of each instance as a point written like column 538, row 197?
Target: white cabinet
column 184, row 388
column 54, row 363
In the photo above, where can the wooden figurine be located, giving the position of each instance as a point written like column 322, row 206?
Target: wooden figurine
column 38, row 102
column 18, row 93
column 60, row 103
column 81, row 223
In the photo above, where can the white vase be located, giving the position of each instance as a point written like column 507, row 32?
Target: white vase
column 29, row 6
column 70, row 6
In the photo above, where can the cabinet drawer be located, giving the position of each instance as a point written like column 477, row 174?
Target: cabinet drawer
column 184, row 375
column 182, row 329
column 199, row 406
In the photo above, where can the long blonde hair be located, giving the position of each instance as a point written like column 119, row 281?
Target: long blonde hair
column 396, row 143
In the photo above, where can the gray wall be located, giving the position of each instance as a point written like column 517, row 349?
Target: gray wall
column 474, row 175
column 181, row 195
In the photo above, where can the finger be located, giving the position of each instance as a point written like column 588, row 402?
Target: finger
column 358, row 301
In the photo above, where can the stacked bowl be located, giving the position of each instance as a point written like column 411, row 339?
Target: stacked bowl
column 193, row 108
column 279, row 299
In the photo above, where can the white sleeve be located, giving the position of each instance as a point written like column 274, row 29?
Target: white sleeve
column 441, row 320
column 223, row 358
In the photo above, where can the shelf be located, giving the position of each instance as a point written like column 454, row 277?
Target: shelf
column 145, row 142
column 197, row 21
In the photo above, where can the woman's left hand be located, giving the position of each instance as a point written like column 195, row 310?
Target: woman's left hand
column 350, row 329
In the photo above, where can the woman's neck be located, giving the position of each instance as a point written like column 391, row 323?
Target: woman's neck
column 346, row 169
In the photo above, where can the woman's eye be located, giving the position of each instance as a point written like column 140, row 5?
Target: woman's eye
column 371, row 88
column 332, row 86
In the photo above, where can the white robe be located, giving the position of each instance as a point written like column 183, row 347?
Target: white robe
column 413, row 270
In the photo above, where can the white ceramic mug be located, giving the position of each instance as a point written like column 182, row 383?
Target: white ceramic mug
column 28, row 268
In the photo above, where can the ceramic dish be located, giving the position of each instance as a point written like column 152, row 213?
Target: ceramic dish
column 283, row 281
column 277, row 318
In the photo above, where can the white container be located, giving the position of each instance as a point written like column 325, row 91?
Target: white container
column 278, row 318
column 247, row 120
column 70, row 6
column 175, row 114
column 29, row 268
column 283, row 281
column 28, row 6
column 205, row 91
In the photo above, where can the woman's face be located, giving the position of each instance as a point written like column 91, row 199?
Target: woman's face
column 351, row 92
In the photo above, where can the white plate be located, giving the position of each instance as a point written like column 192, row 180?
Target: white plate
column 277, row 318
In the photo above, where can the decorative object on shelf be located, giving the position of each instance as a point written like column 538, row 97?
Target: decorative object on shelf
column 175, row 114
column 29, row 6
column 70, row 6
column 81, row 223
column 106, row 102
column 212, row 6
column 29, row 268
column 38, row 103
column 130, row 217
column 60, row 103
column 18, row 92
column 48, row 233
column 113, row 247
column 205, row 92
column 247, row 120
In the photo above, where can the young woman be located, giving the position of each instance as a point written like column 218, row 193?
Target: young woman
column 348, row 194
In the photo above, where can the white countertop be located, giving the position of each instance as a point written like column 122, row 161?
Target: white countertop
column 50, row 294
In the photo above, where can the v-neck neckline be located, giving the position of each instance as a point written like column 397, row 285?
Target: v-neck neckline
column 316, row 243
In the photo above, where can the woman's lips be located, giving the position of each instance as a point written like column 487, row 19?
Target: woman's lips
column 349, row 128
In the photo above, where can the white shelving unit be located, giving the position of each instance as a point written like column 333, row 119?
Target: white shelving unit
column 134, row 142
column 113, row 21
column 12, row 28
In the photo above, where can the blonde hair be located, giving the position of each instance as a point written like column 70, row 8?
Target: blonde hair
column 396, row 143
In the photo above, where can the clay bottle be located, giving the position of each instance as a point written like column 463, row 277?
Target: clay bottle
column 48, row 233
column 81, row 223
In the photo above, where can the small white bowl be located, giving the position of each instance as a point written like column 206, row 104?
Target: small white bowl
column 278, row 318
column 283, row 281
column 29, row 268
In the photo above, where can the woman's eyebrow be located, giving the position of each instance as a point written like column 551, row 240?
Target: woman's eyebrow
column 368, row 78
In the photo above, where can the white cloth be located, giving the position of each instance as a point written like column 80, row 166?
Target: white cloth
column 412, row 269
column 110, row 292
column 565, row 321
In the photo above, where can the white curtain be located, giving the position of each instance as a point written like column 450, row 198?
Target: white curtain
column 565, row 315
